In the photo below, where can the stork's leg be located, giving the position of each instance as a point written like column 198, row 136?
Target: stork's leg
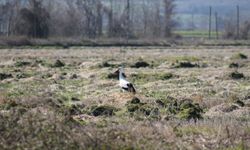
column 122, row 90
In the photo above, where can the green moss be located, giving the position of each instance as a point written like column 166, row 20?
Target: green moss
column 189, row 111
column 182, row 109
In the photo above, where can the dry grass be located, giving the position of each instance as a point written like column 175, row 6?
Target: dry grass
column 47, row 107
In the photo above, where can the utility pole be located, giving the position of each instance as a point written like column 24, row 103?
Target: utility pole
column 238, row 21
column 210, row 21
column 216, row 25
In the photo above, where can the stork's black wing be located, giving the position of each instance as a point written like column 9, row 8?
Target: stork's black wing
column 131, row 88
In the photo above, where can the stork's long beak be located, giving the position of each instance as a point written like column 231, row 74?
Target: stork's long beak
column 118, row 71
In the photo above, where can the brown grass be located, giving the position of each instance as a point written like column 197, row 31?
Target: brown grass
column 51, row 110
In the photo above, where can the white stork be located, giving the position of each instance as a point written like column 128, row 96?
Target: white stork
column 124, row 84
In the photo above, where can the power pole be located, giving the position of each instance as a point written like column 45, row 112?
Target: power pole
column 210, row 21
column 238, row 21
column 216, row 25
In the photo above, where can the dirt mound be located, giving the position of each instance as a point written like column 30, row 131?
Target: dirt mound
column 236, row 75
column 140, row 64
column 4, row 76
column 234, row 65
column 22, row 63
column 135, row 106
column 104, row 110
column 228, row 110
column 186, row 64
column 58, row 64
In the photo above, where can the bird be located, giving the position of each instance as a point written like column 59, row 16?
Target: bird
column 124, row 84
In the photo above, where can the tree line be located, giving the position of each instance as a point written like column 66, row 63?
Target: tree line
column 87, row 18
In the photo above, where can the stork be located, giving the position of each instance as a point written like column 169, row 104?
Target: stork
column 124, row 84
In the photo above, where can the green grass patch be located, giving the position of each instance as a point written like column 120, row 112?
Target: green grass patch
column 195, row 34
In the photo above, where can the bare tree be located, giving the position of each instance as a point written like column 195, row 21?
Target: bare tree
column 109, row 12
column 35, row 20
column 229, row 29
column 157, row 21
column 8, row 15
column 87, row 18
column 245, row 30
column 145, row 17
column 169, row 11
column 99, row 18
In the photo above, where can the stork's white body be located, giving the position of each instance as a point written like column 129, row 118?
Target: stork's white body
column 124, row 84
column 122, row 81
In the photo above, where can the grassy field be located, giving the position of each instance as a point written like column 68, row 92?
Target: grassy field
column 196, row 34
column 70, row 98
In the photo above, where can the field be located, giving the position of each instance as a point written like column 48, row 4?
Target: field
column 196, row 34
column 70, row 98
